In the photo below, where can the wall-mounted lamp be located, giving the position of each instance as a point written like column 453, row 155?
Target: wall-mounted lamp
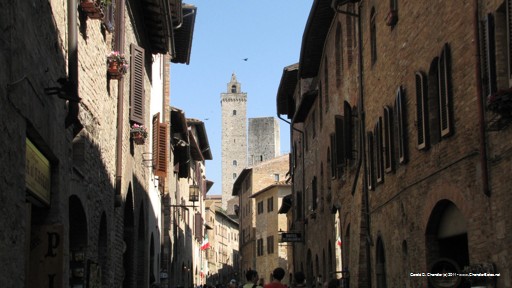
column 193, row 191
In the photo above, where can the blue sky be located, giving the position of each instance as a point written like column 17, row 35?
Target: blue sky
column 268, row 33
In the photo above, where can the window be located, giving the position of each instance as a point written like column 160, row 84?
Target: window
column 339, row 55
column 159, row 149
column 270, row 244
column 234, row 112
column 351, row 32
column 235, row 163
column 445, row 97
column 332, row 158
column 340, row 153
column 370, row 160
column 234, row 175
column 261, row 158
column 259, row 244
column 299, row 207
column 276, row 177
column 388, row 139
column 233, row 89
column 270, row 204
column 314, row 194
column 260, row 207
column 347, row 131
column 400, row 128
column 137, row 92
column 421, row 110
column 373, row 36
column 379, row 168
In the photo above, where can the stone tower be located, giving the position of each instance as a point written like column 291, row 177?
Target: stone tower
column 264, row 140
column 234, row 137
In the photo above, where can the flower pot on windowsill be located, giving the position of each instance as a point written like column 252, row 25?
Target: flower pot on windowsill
column 501, row 103
column 117, row 65
column 138, row 133
column 392, row 18
column 114, row 70
column 93, row 8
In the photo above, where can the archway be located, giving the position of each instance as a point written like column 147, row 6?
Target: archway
column 77, row 240
column 446, row 239
column 380, row 269
column 128, row 236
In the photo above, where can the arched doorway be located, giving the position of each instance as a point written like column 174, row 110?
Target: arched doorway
column 310, row 277
column 446, row 241
column 128, row 236
column 380, row 269
column 77, row 241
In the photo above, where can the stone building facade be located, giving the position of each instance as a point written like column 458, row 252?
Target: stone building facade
column 263, row 140
column 234, row 136
column 251, row 180
column 270, row 252
column 399, row 141
column 78, row 180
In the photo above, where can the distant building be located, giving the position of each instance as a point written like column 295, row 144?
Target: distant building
column 264, row 139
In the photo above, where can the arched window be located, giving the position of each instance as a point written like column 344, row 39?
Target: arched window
column 234, row 112
column 233, row 89
column 234, row 175
column 373, row 36
column 235, row 163
column 339, row 55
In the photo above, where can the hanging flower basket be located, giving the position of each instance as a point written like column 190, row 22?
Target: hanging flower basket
column 94, row 8
column 501, row 102
column 138, row 133
column 117, row 65
column 392, row 18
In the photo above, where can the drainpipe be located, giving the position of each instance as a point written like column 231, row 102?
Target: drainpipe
column 481, row 114
column 72, row 117
column 119, row 46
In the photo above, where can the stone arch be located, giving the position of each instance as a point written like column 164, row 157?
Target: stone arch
column 380, row 259
column 129, row 239
column 103, row 260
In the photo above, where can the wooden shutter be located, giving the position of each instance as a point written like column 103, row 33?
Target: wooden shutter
column 388, row 142
column 333, row 155
column 137, row 95
column 445, row 92
column 422, row 110
column 379, row 168
column 370, row 166
column 163, row 155
column 347, row 130
column 154, row 149
column 198, row 226
column 340, row 154
column 400, row 128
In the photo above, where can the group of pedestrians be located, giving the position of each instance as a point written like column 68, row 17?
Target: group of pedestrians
column 299, row 280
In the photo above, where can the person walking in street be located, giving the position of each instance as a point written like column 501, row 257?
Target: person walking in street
column 277, row 276
column 299, row 280
column 252, row 279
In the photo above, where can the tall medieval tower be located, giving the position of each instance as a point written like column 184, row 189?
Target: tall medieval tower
column 234, row 137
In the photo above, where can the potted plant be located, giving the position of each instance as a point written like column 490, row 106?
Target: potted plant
column 500, row 102
column 94, row 8
column 117, row 65
column 138, row 133
column 392, row 17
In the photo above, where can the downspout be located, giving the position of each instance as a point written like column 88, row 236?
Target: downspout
column 72, row 117
column 481, row 114
column 119, row 46
column 363, row 153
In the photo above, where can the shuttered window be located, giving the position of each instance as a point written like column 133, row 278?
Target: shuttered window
column 489, row 59
column 421, row 110
column 333, row 155
column 160, row 150
column 388, row 141
column 370, row 159
column 347, row 130
column 445, row 96
column 379, row 167
column 137, row 95
column 198, row 226
column 340, row 153
column 400, row 126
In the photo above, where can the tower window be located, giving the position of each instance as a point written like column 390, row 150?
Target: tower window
column 234, row 112
column 234, row 175
column 261, row 157
column 233, row 89
column 235, row 163
column 276, row 177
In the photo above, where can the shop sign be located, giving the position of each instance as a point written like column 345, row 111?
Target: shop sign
column 37, row 173
column 291, row 237
column 46, row 256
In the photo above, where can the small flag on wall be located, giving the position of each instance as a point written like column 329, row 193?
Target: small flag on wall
column 205, row 245
column 338, row 241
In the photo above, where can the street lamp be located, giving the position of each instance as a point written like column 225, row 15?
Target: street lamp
column 193, row 191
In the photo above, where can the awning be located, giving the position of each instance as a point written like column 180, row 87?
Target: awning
column 184, row 34
column 286, row 90
column 286, row 204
